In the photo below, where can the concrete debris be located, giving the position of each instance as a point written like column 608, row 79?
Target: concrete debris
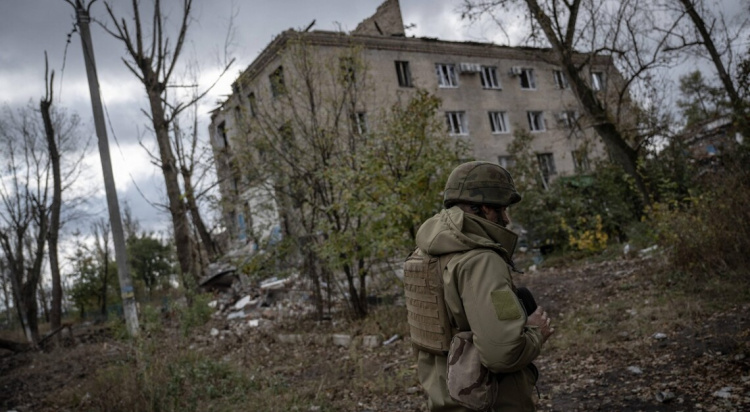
column 664, row 396
column 659, row 336
column 371, row 341
column 342, row 340
column 236, row 315
column 253, row 323
column 634, row 369
column 391, row 339
column 724, row 393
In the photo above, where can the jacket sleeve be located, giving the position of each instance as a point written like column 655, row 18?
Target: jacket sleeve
column 495, row 314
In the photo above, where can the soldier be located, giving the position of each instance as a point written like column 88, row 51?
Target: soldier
column 459, row 279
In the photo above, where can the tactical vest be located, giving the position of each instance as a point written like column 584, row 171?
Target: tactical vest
column 429, row 325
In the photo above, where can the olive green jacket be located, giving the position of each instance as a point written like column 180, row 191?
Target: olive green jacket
column 479, row 296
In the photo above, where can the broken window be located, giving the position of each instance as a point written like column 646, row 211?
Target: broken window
column 527, row 79
column 536, row 121
column 359, row 123
column 489, row 77
column 456, row 123
column 446, row 75
column 546, row 166
column 498, row 122
column 581, row 160
column 277, row 82
column 346, row 65
column 560, row 80
column 403, row 73
column 252, row 104
column 506, row 161
column 597, row 81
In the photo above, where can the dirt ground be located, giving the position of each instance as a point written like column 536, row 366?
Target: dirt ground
column 621, row 344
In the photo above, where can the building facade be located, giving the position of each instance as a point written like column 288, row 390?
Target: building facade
column 488, row 92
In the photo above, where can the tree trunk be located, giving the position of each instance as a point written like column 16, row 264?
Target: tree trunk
column 183, row 241
column 54, row 225
column 209, row 244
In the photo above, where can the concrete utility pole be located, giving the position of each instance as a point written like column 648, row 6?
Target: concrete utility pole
column 126, row 284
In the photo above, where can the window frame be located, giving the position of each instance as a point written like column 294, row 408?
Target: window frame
column 561, row 81
column 597, row 80
column 536, row 121
column 457, row 125
column 489, row 78
column 498, row 118
column 581, row 162
column 403, row 73
column 448, row 78
column 359, row 123
column 547, row 168
column 506, row 161
column 276, row 78
column 528, row 74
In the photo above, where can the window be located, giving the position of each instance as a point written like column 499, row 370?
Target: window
column 498, row 122
column 252, row 104
column 221, row 134
column 456, row 123
column 506, row 161
column 446, row 74
column 489, row 77
column 277, row 82
column 546, row 166
column 346, row 65
column 581, row 160
column 597, row 80
column 404, row 74
column 568, row 119
column 536, row 121
column 359, row 122
column 527, row 79
column 560, row 80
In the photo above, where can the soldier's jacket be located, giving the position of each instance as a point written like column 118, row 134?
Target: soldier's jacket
column 479, row 297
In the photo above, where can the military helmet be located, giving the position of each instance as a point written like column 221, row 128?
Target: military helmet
column 480, row 183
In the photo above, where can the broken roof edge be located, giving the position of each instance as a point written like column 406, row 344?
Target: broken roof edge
column 430, row 45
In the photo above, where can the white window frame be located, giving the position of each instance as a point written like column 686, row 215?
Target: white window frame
column 560, row 80
column 536, row 121
column 506, row 161
column 546, row 166
column 528, row 74
column 489, row 78
column 597, row 81
column 447, row 75
column 568, row 118
column 456, row 123
column 498, row 122
column 403, row 73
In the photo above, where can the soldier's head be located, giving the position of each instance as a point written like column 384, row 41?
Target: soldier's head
column 481, row 188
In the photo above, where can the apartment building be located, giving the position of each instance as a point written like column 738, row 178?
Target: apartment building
column 487, row 93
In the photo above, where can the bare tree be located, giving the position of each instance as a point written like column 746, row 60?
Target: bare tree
column 618, row 36
column 24, row 190
column 152, row 58
column 712, row 36
column 45, row 106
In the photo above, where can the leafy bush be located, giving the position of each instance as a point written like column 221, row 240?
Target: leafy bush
column 709, row 233
column 195, row 314
column 581, row 212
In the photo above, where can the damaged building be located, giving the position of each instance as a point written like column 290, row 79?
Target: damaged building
column 487, row 93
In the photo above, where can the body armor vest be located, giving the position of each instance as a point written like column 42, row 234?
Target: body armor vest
column 429, row 325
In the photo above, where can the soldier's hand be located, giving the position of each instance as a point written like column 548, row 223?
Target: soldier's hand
column 540, row 319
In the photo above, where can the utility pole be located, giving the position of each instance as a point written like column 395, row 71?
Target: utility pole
column 123, row 273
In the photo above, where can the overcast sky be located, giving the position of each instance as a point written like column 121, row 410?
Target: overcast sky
column 28, row 28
